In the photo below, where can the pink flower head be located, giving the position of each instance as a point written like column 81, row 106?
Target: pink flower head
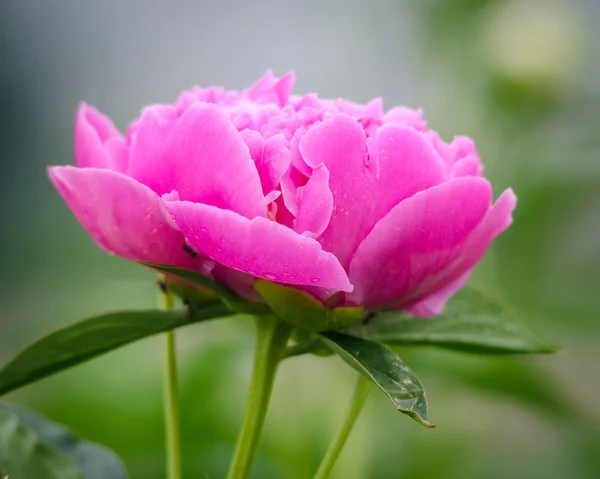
column 353, row 205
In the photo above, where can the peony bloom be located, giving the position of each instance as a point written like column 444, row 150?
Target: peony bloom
column 350, row 204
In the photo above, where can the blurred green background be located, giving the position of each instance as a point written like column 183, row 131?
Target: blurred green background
column 520, row 76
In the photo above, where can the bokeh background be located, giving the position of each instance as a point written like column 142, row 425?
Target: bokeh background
column 520, row 76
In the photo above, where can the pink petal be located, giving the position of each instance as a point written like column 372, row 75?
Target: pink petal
column 316, row 204
column 201, row 155
column 258, row 247
column 100, row 123
column 422, row 236
column 93, row 131
column 406, row 116
column 275, row 161
column 406, row 163
column 255, row 143
column 270, row 89
column 468, row 166
column 291, row 181
column 433, row 304
column 340, row 144
column 123, row 216
column 461, row 147
column 497, row 219
column 118, row 150
column 295, row 155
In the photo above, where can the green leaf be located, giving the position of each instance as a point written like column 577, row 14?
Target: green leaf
column 303, row 310
column 236, row 303
column 94, row 461
column 92, row 337
column 191, row 296
column 470, row 322
column 24, row 456
column 383, row 366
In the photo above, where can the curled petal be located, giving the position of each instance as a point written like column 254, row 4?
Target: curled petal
column 258, row 247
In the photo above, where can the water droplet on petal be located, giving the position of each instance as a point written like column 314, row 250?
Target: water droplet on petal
column 315, row 280
column 271, row 276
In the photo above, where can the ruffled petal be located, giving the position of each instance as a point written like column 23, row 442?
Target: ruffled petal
column 402, row 258
column 406, row 116
column 123, row 216
column 258, row 247
column 270, row 89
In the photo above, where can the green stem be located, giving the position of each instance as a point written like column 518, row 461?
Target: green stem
column 171, row 400
column 272, row 335
column 335, row 448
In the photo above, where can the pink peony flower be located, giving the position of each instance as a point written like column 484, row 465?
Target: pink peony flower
column 351, row 204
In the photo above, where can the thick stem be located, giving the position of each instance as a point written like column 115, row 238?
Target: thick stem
column 272, row 335
column 335, row 448
column 171, row 397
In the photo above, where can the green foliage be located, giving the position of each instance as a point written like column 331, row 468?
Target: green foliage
column 385, row 368
column 92, row 337
column 303, row 310
column 470, row 322
column 234, row 302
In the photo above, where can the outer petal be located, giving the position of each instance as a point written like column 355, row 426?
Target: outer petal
column 497, row 219
column 316, row 204
column 418, row 240
column 433, row 304
column 201, row 155
column 259, row 247
column 98, row 144
column 123, row 216
column 407, row 164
